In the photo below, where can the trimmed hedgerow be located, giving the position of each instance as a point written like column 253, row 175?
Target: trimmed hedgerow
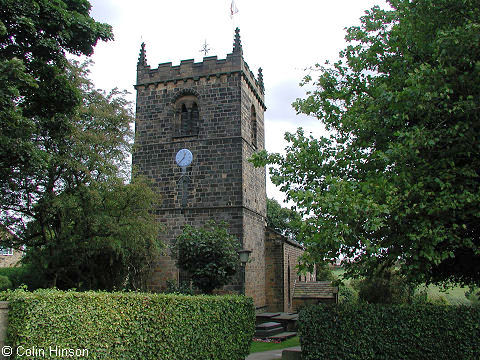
column 373, row 331
column 131, row 325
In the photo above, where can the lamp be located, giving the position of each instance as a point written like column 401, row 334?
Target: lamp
column 243, row 255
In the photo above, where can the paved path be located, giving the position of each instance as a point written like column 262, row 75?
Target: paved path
column 269, row 355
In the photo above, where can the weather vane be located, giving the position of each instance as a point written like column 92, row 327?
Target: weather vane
column 205, row 49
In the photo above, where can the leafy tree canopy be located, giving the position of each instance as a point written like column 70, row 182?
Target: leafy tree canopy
column 284, row 220
column 208, row 254
column 37, row 97
column 397, row 182
column 64, row 148
column 83, row 226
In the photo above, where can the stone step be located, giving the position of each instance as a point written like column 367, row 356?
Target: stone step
column 266, row 316
column 292, row 354
column 288, row 321
column 283, row 336
column 268, row 329
column 267, row 325
column 285, row 317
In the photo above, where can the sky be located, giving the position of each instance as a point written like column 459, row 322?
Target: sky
column 285, row 38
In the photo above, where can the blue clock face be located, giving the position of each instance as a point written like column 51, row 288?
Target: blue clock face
column 184, row 157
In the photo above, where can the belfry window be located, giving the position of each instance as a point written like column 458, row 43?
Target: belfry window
column 184, row 119
column 253, row 126
column 187, row 116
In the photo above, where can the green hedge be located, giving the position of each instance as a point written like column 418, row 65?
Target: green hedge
column 130, row 325
column 372, row 331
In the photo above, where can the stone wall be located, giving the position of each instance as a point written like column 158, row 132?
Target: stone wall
column 11, row 260
column 274, row 274
column 291, row 253
column 222, row 184
column 3, row 326
column 254, row 240
column 281, row 260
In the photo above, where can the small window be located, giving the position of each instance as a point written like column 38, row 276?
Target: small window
column 6, row 251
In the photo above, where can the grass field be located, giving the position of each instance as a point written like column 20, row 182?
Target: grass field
column 453, row 296
column 264, row 346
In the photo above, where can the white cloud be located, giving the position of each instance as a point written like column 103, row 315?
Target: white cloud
column 282, row 37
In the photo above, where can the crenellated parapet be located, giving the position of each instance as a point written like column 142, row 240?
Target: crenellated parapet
column 210, row 67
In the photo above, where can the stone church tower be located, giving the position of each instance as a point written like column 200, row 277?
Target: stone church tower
column 214, row 109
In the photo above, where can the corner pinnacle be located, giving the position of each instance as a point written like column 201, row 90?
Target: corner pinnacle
column 260, row 79
column 237, row 45
column 142, row 58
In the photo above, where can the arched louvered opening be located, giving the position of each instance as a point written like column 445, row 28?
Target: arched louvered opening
column 194, row 119
column 253, row 126
column 187, row 116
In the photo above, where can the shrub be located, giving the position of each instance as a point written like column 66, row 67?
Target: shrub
column 181, row 288
column 372, row 331
column 324, row 273
column 473, row 294
column 438, row 300
column 24, row 275
column 132, row 325
column 346, row 294
column 420, row 297
column 385, row 286
column 208, row 254
column 5, row 283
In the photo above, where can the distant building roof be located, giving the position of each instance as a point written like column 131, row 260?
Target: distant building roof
column 314, row 290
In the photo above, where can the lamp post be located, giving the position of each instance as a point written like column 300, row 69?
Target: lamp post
column 244, row 255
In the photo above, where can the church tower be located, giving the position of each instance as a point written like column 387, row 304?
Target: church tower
column 214, row 109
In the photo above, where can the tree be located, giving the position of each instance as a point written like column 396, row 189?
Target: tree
column 208, row 254
column 384, row 286
column 84, row 226
column 323, row 272
column 63, row 154
column 37, row 99
column 397, row 181
column 284, row 220
column 104, row 237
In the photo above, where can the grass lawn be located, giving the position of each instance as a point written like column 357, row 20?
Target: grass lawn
column 453, row 296
column 264, row 346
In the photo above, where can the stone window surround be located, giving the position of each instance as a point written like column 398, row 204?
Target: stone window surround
column 186, row 115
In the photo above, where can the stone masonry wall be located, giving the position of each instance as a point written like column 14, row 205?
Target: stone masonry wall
column 281, row 260
column 173, row 222
column 222, row 185
column 215, row 188
column 274, row 275
column 291, row 253
column 11, row 260
column 3, row 326
column 254, row 196
column 254, row 239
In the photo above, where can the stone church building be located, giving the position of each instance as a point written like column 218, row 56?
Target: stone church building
column 197, row 124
